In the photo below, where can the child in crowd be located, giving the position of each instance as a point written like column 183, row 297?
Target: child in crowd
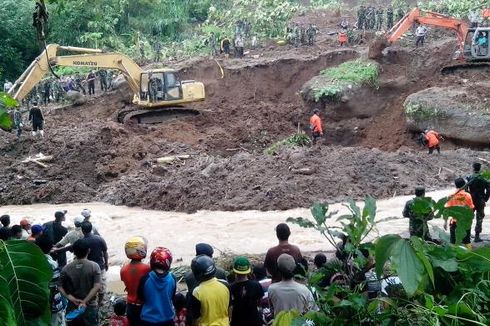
column 180, row 310
column 119, row 318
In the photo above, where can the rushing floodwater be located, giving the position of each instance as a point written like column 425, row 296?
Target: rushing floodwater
column 242, row 232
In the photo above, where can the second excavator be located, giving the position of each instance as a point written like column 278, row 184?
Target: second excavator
column 158, row 94
column 473, row 49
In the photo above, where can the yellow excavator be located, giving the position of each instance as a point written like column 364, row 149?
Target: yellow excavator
column 158, row 93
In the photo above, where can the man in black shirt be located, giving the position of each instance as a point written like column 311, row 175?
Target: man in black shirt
column 37, row 118
column 91, row 83
column 245, row 295
column 55, row 231
column 97, row 254
column 479, row 189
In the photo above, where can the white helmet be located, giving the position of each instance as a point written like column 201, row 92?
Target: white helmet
column 86, row 213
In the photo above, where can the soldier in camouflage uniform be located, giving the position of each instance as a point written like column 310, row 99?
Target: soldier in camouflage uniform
column 389, row 17
column 370, row 18
column 110, row 78
column 361, row 18
column 79, row 85
column 157, row 47
column 311, row 32
column 213, row 44
column 296, row 35
column 103, row 79
column 399, row 14
column 418, row 221
column 303, row 37
column 379, row 19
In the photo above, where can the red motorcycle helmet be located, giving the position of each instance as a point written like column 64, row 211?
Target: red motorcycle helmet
column 161, row 258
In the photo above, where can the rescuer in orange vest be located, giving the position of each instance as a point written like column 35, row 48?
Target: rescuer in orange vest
column 343, row 38
column 486, row 15
column 459, row 198
column 316, row 126
column 433, row 138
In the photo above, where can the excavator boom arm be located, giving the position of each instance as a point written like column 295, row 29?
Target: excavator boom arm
column 431, row 19
column 92, row 58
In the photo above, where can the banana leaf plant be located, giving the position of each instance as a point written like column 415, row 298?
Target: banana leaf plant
column 24, row 279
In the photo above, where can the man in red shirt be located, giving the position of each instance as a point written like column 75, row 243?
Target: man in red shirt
column 270, row 263
column 459, row 198
column 316, row 126
column 131, row 274
column 432, row 138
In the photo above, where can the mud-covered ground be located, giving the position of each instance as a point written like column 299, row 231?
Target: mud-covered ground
column 253, row 104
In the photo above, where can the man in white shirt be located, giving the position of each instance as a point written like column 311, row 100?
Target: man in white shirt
column 289, row 294
column 421, row 32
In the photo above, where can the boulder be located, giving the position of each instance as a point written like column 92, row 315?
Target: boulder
column 121, row 86
column 75, row 98
column 457, row 112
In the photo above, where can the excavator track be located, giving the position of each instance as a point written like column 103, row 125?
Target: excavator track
column 467, row 66
column 155, row 116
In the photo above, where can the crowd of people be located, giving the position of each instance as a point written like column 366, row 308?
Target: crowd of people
column 54, row 90
column 250, row 295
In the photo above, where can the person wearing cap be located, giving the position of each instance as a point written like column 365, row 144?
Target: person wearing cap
column 26, row 228
column 418, row 221
column 479, row 188
column 36, row 232
column 55, row 231
column 316, row 126
column 288, row 294
column 284, row 247
column 71, row 237
column 245, row 294
column 86, row 213
column 190, row 278
column 37, row 118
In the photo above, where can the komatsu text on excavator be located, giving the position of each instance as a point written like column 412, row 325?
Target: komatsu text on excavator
column 158, row 93
column 473, row 43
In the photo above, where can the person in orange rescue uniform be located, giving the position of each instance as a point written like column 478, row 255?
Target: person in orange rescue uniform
column 459, row 198
column 433, row 138
column 316, row 126
column 343, row 38
column 486, row 15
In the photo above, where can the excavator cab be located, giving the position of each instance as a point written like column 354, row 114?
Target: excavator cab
column 479, row 43
column 160, row 86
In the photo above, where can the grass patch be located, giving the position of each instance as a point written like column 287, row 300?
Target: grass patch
column 353, row 73
column 420, row 113
column 296, row 140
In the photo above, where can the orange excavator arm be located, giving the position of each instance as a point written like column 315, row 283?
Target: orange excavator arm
column 428, row 18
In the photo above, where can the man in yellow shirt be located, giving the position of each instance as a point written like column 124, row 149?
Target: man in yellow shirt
column 211, row 299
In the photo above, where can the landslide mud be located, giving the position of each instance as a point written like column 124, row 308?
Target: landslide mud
column 253, row 104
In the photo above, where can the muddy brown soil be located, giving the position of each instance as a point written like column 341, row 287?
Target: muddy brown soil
column 253, row 104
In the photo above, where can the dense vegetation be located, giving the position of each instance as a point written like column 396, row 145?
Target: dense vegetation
column 182, row 27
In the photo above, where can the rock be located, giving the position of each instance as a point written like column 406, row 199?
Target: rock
column 457, row 112
column 121, row 86
column 75, row 98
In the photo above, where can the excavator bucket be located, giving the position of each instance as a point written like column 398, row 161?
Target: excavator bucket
column 376, row 48
column 466, row 66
